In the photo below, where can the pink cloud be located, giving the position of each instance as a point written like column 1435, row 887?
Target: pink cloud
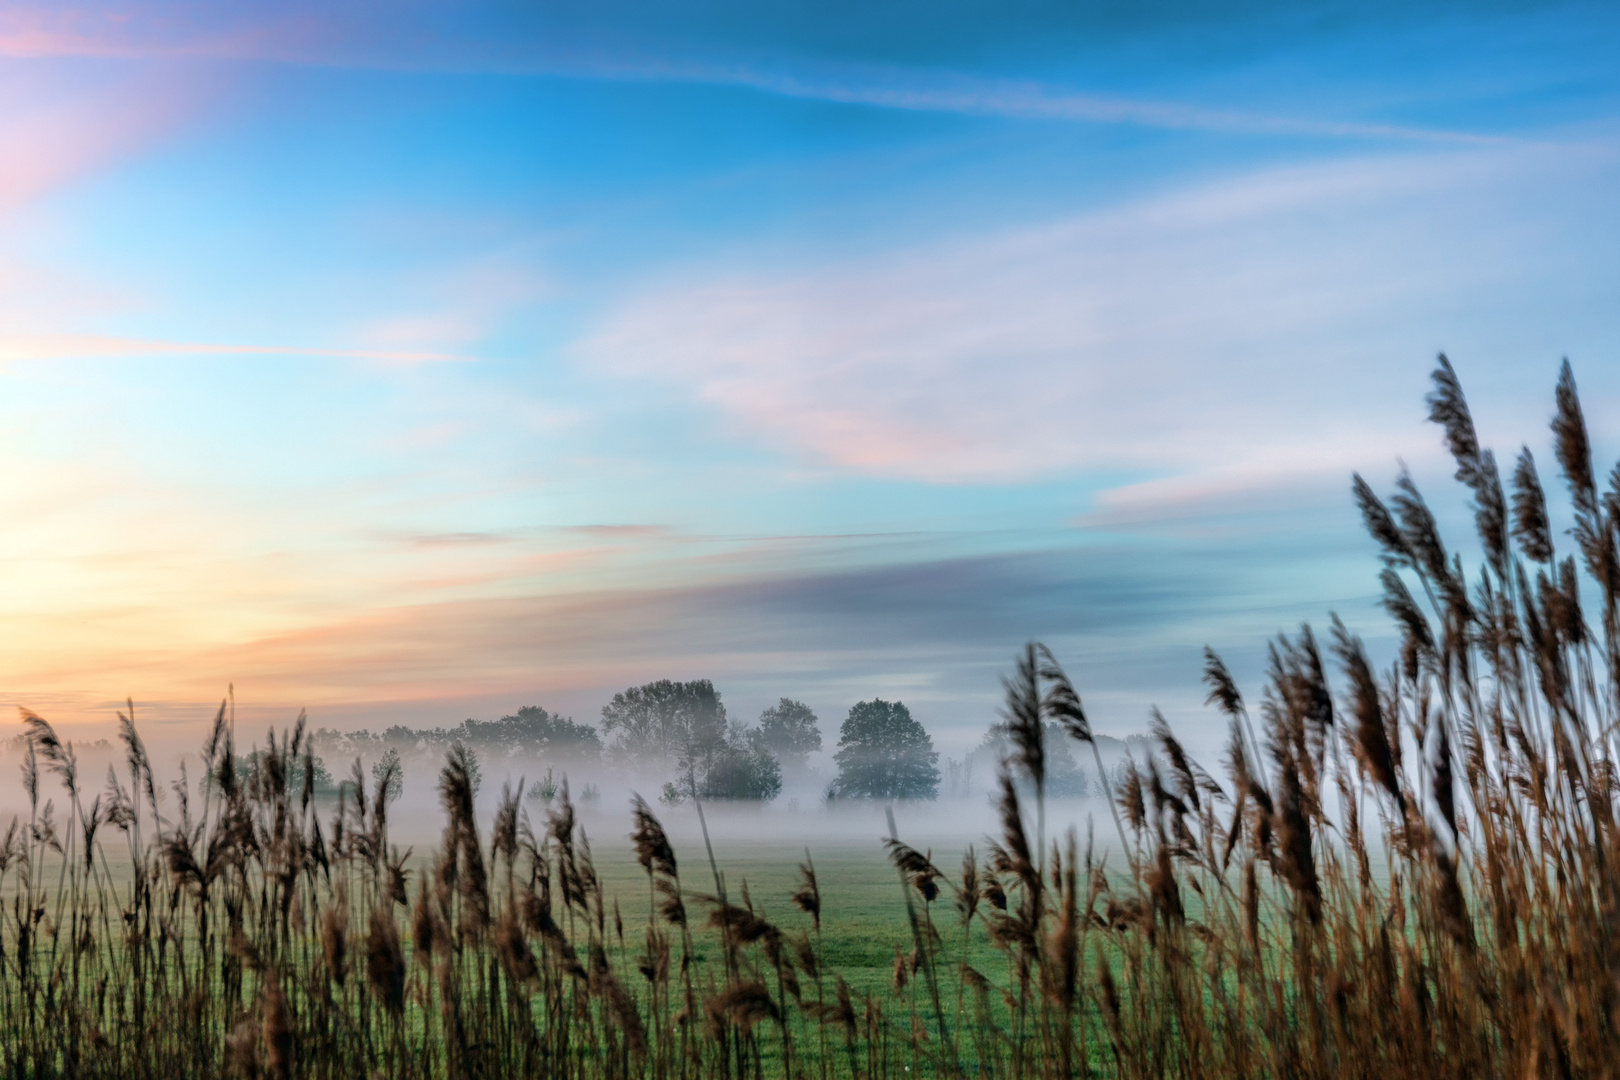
column 151, row 31
column 421, row 652
column 56, row 133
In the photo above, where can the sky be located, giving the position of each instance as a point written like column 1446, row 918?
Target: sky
column 408, row 362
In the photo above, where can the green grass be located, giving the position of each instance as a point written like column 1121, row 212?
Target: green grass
column 864, row 913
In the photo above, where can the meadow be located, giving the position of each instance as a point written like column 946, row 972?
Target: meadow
column 1407, row 872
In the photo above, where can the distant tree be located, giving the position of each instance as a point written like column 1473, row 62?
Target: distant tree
column 959, row 777
column 317, row 776
column 396, row 778
column 744, row 768
column 885, row 754
column 791, row 731
column 1064, row 775
column 400, row 735
column 345, row 745
column 1140, row 747
column 533, row 730
column 246, row 769
column 663, row 724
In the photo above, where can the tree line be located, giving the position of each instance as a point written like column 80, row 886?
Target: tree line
column 682, row 731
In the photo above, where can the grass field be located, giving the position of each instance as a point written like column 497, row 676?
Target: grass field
column 863, row 896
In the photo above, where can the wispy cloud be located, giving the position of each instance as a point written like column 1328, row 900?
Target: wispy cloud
column 957, row 92
column 56, row 131
column 1274, row 322
column 934, row 632
column 457, row 306
column 184, row 31
column 425, row 39
column 621, row 532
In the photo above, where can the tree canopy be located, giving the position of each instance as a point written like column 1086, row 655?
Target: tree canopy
column 310, row 771
column 790, row 730
column 662, row 724
column 883, row 753
column 533, row 730
column 744, row 768
column 530, row 732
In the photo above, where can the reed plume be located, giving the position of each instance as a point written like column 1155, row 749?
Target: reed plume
column 385, row 960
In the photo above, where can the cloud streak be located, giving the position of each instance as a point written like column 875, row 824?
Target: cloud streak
column 56, row 131
column 175, row 31
column 1163, row 335
column 955, row 92
column 60, row 346
column 421, row 40
column 934, row 632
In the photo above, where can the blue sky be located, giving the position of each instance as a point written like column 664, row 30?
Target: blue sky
column 420, row 361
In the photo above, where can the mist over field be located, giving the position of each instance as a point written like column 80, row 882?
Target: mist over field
column 805, row 813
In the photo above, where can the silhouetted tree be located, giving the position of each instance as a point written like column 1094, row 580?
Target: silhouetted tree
column 885, row 754
column 791, row 731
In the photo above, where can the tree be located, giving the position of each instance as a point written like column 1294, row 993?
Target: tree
column 315, row 776
column 744, row 768
column 389, row 766
column 791, row 731
column 666, row 723
column 246, row 768
column 1064, row 775
column 885, row 754
column 533, row 730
